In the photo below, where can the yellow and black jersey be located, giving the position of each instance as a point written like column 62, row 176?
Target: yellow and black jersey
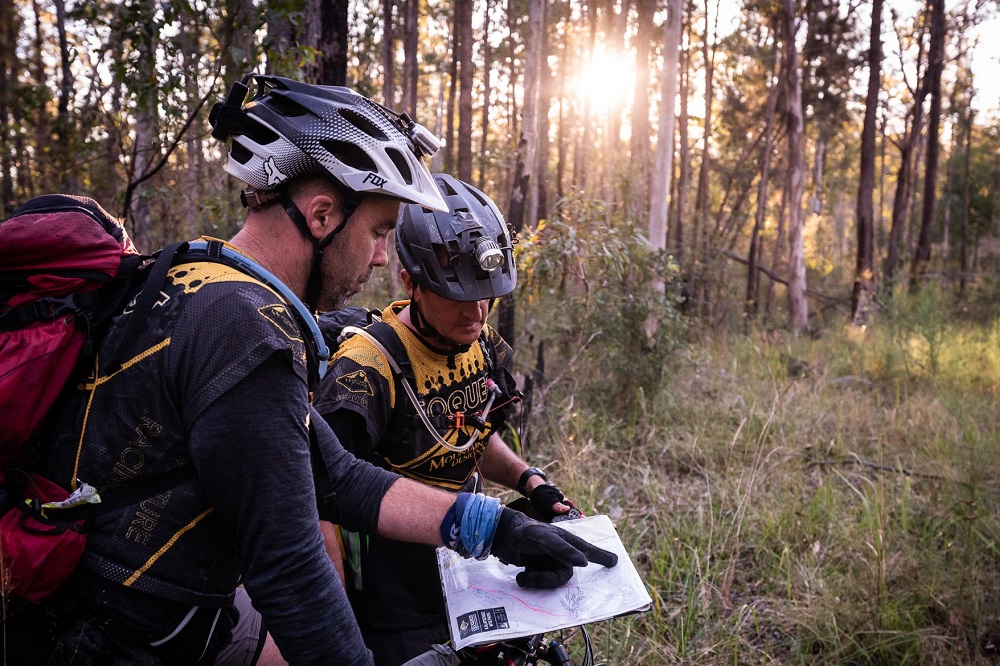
column 212, row 327
column 452, row 391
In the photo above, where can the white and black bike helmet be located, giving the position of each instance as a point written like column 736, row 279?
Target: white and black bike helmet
column 289, row 129
column 463, row 254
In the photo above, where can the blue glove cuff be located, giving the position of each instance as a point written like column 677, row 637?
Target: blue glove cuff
column 470, row 524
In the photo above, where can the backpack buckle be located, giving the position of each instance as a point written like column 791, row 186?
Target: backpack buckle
column 49, row 309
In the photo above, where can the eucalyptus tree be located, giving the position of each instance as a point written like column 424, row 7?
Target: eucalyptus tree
column 663, row 172
column 9, row 21
column 935, row 65
column 798, row 307
column 907, row 146
column 864, row 278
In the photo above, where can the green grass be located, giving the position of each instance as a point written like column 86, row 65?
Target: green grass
column 798, row 501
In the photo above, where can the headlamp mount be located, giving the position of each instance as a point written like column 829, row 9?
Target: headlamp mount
column 488, row 254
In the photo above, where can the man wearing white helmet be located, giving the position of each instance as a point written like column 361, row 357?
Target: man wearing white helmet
column 215, row 387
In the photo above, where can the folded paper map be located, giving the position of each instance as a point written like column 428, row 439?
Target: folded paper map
column 485, row 604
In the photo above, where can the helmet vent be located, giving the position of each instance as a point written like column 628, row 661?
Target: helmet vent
column 240, row 153
column 400, row 162
column 350, row 154
column 363, row 124
column 445, row 184
column 286, row 107
column 479, row 196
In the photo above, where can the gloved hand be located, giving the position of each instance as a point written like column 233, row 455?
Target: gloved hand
column 547, row 553
column 544, row 496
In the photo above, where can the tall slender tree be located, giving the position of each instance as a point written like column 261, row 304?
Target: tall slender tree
column 753, row 259
column 865, row 264
column 663, row 173
column 935, row 65
column 463, row 16
column 388, row 54
column 904, row 174
column 798, row 307
column 522, row 178
column 8, row 69
column 639, row 150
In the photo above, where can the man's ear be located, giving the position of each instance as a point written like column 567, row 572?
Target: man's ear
column 407, row 281
column 323, row 214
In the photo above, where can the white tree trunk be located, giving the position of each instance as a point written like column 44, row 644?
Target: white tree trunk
column 798, row 307
column 660, row 189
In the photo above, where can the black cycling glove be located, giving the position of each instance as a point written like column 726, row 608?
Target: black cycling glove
column 543, row 497
column 547, row 553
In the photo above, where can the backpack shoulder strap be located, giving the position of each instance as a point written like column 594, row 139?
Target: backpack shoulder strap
column 146, row 299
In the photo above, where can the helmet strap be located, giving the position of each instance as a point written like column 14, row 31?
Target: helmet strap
column 315, row 284
column 428, row 332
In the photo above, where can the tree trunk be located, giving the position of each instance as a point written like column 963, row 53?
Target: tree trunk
column 540, row 191
column 388, row 55
column 487, row 93
column 563, row 137
column 753, row 275
column 963, row 241
column 798, row 307
column 8, row 76
column 411, row 69
column 145, row 150
column 903, row 193
column 332, row 43
column 463, row 11
column 684, row 148
column 525, row 155
column 640, row 99
column 935, row 63
column 662, row 175
column 864, row 265
column 65, row 132
column 700, row 236
column 450, row 152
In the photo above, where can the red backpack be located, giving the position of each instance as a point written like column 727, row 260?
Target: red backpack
column 66, row 267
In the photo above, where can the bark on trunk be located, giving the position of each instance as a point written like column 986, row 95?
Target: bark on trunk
column 935, row 63
column 864, row 265
column 798, row 307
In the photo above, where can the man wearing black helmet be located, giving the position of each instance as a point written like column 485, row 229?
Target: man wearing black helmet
column 216, row 386
column 438, row 421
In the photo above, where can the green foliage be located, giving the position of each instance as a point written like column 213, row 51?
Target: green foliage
column 601, row 297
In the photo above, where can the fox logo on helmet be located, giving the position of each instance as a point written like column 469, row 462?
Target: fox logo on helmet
column 274, row 174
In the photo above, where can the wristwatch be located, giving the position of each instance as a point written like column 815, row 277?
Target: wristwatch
column 527, row 474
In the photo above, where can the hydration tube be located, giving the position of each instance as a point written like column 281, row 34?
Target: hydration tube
column 411, row 394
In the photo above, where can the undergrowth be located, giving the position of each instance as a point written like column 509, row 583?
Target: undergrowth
column 791, row 500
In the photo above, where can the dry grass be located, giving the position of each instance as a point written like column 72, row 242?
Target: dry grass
column 829, row 501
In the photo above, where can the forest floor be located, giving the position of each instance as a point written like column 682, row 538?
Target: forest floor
column 801, row 500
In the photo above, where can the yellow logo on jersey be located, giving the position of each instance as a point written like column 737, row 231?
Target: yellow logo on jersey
column 356, row 382
column 194, row 276
column 283, row 320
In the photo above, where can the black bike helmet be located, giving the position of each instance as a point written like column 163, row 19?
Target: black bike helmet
column 464, row 254
column 289, row 129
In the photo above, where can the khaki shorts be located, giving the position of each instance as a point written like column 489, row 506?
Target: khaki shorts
column 249, row 635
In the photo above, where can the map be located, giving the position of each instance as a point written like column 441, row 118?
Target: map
column 486, row 605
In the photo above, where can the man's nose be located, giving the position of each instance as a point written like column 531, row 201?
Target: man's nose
column 380, row 253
